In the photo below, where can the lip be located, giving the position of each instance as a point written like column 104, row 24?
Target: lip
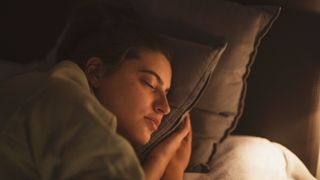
column 154, row 122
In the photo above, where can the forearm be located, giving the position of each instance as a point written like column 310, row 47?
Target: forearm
column 155, row 167
column 173, row 173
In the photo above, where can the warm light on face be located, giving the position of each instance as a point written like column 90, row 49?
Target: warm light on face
column 136, row 94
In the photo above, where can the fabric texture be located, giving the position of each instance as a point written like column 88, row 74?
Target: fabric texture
column 52, row 127
column 251, row 158
column 216, row 113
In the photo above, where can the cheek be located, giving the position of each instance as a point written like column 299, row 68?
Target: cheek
column 126, row 99
column 137, row 97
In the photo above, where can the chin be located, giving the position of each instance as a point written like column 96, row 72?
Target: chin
column 143, row 140
column 137, row 137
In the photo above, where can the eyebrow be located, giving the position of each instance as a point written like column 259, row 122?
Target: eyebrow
column 147, row 71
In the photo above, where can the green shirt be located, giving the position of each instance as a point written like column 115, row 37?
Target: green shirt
column 53, row 127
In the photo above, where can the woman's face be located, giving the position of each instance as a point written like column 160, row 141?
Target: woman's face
column 136, row 93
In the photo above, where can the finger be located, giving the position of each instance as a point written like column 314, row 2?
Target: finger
column 169, row 146
column 188, row 121
column 188, row 137
column 183, row 132
column 178, row 136
column 185, row 122
column 183, row 129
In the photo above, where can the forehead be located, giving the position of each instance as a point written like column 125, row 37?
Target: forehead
column 152, row 61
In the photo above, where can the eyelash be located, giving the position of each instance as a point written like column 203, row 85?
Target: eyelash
column 149, row 85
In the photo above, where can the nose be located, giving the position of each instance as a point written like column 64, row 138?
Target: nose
column 162, row 105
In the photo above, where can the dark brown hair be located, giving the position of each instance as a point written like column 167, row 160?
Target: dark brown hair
column 114, row 34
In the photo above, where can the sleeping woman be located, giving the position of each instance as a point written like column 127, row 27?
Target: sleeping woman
column 80, row 119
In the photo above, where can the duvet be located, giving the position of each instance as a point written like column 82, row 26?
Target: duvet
column 52, row 127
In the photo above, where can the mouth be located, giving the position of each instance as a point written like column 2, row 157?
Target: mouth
column 154, row 122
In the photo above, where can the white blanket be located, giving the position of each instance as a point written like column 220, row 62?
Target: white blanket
column 253, row 158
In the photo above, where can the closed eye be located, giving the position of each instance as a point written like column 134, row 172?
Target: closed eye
column 149, row 85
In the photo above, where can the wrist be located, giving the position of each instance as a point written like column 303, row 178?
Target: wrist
column 173, row 172
column 154, row 167
column 176, row 166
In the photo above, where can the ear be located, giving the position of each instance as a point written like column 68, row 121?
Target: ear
column 93, row 71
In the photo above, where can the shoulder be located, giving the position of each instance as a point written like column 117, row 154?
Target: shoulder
column 65, row 91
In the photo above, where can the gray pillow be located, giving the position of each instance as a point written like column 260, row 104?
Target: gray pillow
column 243, row 27
column 192, row 65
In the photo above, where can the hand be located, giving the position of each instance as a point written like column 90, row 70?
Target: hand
column 159, row 158
column 180, row 160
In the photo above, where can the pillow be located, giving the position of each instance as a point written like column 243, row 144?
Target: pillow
column 243, row 27
column 192, row 66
